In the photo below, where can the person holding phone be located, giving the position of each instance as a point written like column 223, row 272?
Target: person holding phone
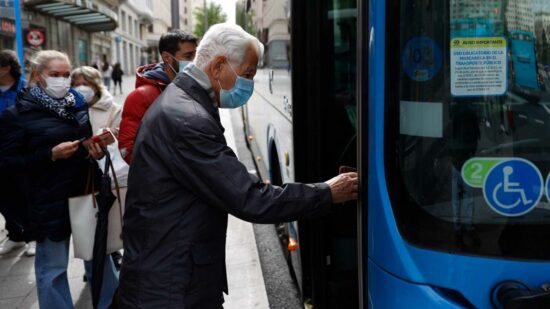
column 40, row 143
column 104, row 112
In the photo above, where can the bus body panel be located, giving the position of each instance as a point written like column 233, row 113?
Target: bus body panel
column 396, row 269
column 268, row 122
column 389, row 292
column 474, row 277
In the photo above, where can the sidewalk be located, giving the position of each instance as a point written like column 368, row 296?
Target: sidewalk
column 128, row 84
column 246, row 284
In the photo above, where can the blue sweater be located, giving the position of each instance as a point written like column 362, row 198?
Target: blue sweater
column 7, row 98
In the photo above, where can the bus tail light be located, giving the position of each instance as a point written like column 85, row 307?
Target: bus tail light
column 292, row 244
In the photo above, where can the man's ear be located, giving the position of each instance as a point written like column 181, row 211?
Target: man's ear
column 216, row 66
column 165, row 56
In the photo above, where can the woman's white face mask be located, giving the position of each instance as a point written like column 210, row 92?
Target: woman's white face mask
column 87, row 92
column 57, row 87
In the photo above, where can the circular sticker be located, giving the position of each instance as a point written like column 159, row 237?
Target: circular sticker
column 513, row 187
column 35, row 37
column 421, row 58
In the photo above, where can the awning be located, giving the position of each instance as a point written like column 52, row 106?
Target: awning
column 92, row 19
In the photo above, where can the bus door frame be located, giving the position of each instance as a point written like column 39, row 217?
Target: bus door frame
column 363, row 34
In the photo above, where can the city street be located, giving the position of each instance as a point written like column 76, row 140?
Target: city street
column 245, row 274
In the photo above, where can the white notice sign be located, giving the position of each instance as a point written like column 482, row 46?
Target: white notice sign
column 478, row 66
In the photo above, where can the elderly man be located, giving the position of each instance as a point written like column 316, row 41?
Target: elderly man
column 185, row 180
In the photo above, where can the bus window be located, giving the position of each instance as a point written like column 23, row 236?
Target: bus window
column 468, row 143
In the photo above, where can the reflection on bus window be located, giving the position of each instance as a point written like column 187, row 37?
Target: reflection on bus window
column 497, row 54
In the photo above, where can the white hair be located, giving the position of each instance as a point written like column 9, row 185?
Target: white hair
column 227, row 40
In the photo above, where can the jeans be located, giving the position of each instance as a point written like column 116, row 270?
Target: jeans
column 51, row 261
column 107, row 82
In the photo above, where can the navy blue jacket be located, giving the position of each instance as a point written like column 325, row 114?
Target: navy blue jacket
column 11, row 204
column 28, row 132
column 7, row 98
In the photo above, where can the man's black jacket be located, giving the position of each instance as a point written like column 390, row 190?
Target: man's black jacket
column 184, row 181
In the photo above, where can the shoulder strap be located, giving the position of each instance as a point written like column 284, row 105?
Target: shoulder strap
column 109, row 162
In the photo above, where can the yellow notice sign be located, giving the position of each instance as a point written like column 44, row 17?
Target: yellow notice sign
column 478, row 66
column 494, row 42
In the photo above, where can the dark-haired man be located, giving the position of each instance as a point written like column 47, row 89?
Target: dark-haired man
column 177, row 48
column 12, row 205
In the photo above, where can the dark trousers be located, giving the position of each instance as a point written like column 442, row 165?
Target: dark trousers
column 15, row 230
column 15, row 233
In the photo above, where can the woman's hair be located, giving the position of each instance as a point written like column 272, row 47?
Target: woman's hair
column 105, row 66
column 91, row 75
column 41, row 59
column 228, row 40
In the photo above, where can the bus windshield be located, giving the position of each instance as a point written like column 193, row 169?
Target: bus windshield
column 468, row 125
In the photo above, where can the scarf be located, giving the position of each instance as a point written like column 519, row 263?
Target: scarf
column 57, row 106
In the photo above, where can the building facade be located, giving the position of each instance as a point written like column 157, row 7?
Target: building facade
column 271, row 19
column 162, row 11
column 74, row 27
column 520, row 15
column 129, row 39
column 186, row 12
column 7, row 26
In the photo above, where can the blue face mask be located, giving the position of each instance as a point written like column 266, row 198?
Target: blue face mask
column 238, row 95
column 182, row 64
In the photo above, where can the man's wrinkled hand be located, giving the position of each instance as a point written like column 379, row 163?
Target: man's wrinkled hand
column 344, row 187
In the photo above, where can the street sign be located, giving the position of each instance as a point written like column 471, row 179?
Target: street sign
column 35, row 37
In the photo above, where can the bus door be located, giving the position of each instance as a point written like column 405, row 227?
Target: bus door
column 324, row 95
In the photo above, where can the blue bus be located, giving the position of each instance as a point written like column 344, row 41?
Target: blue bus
column 445, row 218
column 524, row 63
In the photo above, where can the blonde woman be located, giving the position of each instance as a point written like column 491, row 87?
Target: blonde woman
column 45, row 140
column 104, row 112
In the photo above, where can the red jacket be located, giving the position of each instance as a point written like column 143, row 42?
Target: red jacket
column 136, row 104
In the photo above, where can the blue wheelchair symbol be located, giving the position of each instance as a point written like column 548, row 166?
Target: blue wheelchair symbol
column 513, row 187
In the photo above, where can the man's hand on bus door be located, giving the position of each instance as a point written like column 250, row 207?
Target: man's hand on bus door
column 343, row 187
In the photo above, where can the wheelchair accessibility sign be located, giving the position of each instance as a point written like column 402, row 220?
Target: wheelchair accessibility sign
column 513, row 187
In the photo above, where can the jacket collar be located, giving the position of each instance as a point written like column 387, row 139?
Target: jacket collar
column 105, row 101
column 200, row 77
column 199, row 94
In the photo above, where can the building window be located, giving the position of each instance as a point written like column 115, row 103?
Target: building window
column 150, row 28
column 185, row 21
column 136, row 28
column 123, row 19
column 130, row 31
column 83, row 52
